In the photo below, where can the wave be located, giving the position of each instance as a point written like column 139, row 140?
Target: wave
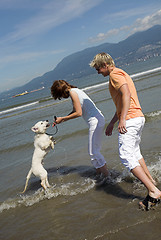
column 88, row 88
column 95, row 86
column 68, row 189
column 132, row 76
column 85, row 184
column 155, row 169
column 19, row 107
column 153, row 114
column 146, row 72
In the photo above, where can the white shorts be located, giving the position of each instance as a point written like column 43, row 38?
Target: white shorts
column 129, row 149
column 96, row 127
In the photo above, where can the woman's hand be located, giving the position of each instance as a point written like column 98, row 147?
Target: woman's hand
column 57, row 121
column 109, row 129
column 110, row 126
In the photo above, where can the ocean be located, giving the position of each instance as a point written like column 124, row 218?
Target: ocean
column 74, row 207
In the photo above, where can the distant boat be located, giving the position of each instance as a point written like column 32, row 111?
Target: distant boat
column 21, row 94
column 37, row 89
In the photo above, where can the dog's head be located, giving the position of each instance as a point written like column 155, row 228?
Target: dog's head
column 40, row 127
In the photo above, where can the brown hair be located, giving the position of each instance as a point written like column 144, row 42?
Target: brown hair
column 60, row 89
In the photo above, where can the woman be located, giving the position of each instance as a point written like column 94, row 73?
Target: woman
column 85, row 107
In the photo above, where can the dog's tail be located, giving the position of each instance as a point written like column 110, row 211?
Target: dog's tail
column 27, row 179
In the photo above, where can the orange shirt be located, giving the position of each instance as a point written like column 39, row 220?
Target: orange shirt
column 118, row 78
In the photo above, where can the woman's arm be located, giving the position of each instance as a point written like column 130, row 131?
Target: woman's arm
column 110, row 126
column 77, row 109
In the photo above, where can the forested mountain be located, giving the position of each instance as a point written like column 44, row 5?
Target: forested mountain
column 139, row 46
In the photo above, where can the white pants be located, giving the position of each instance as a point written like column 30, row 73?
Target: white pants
column 96, row 127
column 129, row 149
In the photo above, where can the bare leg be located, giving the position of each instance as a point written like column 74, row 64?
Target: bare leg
column 102, row 174
column 143, row 165
column 142, row 176
column 103, row 170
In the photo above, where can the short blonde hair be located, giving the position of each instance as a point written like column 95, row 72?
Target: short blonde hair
column 100, row 59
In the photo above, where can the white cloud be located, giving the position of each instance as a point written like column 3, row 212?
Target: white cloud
column 139, row 25
column 102, row 36
column 28, row 56
column 147, row 22
column 134, row 12
column 51, row 14
column 21, row 4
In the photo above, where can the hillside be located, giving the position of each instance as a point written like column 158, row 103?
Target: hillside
column 139, row 46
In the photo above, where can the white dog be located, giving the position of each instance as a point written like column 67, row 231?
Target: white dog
column 43, row 143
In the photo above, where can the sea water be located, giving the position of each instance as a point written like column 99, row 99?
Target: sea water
column 74, row 208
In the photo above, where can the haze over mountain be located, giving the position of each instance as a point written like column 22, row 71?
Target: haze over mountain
column 137, row 47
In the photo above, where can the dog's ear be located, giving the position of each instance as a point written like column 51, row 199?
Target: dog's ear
column 34, row 129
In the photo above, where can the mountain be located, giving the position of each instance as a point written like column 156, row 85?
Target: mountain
column 138, row 46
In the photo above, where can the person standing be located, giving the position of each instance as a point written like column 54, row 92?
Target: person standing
column 130, row 124
column 85, row 107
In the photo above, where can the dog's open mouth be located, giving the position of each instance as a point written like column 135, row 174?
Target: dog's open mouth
column 48, row 125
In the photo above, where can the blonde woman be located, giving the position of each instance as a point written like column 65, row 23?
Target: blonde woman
column 85, row 107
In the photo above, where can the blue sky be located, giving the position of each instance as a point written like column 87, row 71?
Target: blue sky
column 37, row 34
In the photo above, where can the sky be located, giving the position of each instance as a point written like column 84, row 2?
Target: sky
column 37, row 34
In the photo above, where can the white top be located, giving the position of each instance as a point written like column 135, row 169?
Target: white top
column 89, row 108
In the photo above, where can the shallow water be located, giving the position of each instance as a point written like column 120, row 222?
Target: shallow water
column 74, row 208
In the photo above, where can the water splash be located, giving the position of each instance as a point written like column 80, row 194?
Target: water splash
column 153, row 114
column 155, row 169
column 67, row 189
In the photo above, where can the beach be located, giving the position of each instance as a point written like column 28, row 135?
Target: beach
column 74, row 207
